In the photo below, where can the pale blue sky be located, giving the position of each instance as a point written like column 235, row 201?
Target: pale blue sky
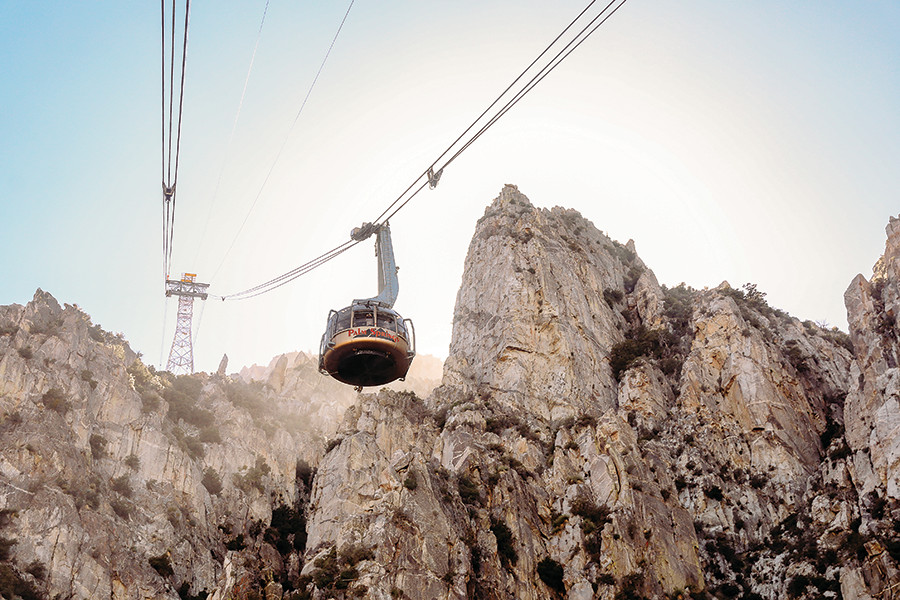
column 747, row 141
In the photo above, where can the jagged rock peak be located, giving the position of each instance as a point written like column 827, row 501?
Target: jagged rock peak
column 540, row 305
column 121, row 482
column 617, row 438
column 597, row 436
column 873, row 404
column 892, row 248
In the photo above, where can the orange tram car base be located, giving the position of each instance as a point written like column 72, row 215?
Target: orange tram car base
column 367, row 345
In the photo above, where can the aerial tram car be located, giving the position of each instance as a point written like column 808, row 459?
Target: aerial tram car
column 368, row 343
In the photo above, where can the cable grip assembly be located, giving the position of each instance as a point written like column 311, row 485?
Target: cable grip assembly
column 434, row 178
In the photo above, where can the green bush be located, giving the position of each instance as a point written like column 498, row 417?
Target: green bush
column 210, row 435
column 250, row 396
column 182, row 397
column 678, row 303
column 182, row 408
column 796, row 356
column 13, row 586
column 121, row 508
column 551, row 573
column 606, row 579
column 162, row 565
column 26, row 353
column 354, row 554
column 98, row 446
column 643, row 342
column 468, row 490
column 500, row 423
column 758, row 481
column 189, row 443
column 184, row 592
column 96, row 333
column 505, row 543
column 557, row 521
column 833, row 430
column 410, row 482
column 287, row 529
column 150, row 401
column 6, row 545
column 305, row 473
column 893, row 546
column 622, row 252
column 132, row 462
column 612, row 296
column 141, row 375
column 85, row 492
column 253, row 477
column 326, row 571
column 121, row 485
column 840, row 338
column 88, row 376
column 840, row 451
column 211, row 481
column 332, row 573
column 630, row 586
column 55, row 400
column 36, row 570
column 714, row 492
column 797, row 585
column 593, row 516
column 236, row 543
column 631, row 277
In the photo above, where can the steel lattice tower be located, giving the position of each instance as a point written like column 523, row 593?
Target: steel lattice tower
column 181, row 356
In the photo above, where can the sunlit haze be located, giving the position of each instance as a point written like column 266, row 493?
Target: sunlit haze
column 740, row 141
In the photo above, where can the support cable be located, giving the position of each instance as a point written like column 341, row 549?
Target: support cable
column 290, row 275
column 233, row 129
column 432, row 174
column 387, row 214
column 560, row 56
column 284, row 142
column 490, row 106
column 171, row 127
column 554, row 62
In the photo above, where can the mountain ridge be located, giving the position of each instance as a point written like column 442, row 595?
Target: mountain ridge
column 596, row 435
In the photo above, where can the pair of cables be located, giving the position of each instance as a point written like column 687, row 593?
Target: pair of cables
column 576, row 33
column 171, row 120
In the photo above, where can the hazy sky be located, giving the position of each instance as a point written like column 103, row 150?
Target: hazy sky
column 741, row 141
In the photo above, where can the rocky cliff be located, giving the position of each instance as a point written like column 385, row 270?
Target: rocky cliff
column 596, row 435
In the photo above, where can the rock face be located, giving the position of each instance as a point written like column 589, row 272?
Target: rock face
column 596, row 435
column 424, row 375
column 120, row 482
column 873, row 410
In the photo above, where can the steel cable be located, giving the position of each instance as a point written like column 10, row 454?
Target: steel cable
column 408, row 194
column 283, row 144
column 291, row 275
column 237, row 115
column 546, row 70
column 170, row 137
column 543, row 72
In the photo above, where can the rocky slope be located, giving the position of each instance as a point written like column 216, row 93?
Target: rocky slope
column 596, row 435
column 295, row 370
column 118, row 482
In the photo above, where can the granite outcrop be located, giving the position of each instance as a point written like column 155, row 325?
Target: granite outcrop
column 595, row 435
